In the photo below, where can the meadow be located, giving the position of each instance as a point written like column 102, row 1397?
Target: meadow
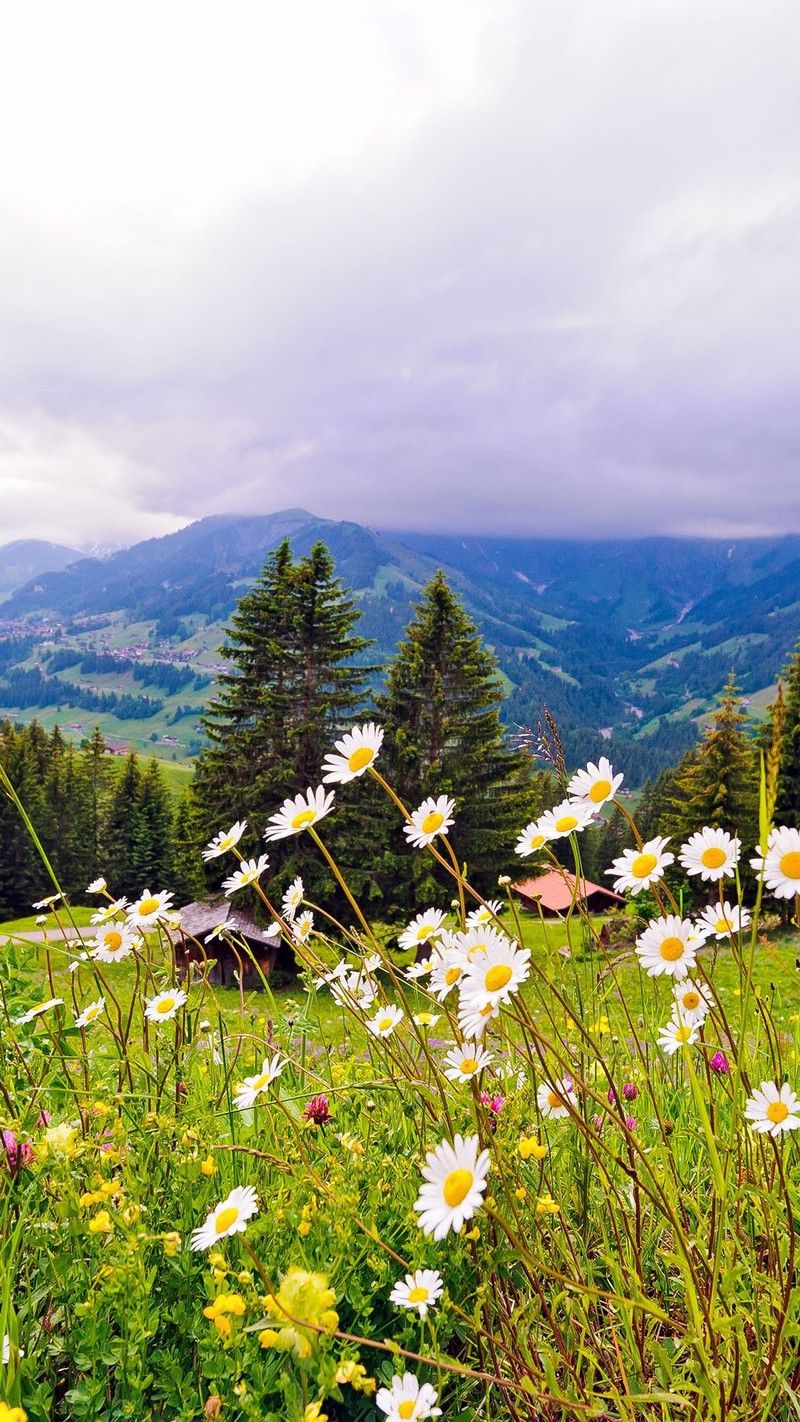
column 526, row 1176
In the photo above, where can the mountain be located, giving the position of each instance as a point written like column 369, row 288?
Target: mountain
column 27, row 558
column 627, row 642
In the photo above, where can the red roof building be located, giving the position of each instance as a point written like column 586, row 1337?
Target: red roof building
column 554, row 892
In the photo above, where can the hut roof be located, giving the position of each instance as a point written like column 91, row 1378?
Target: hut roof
column 556, row 890
column 205, row 915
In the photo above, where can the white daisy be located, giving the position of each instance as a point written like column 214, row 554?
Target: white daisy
column 491, row 977
column 103, row 915
column 91, row 1013
column 474, row 1019
column 569, row 817
column 248, row 1091
column 47, row 903
column 97, row 886
column 148, row 909
column 723, row 920
column 668, row 945
column 693, row 1001
column 553, row 1100
column 406, row 1401
column 431, row 818
column 418, row 970
column 465, row 1061
column 165, row 1005
column 296, row 815
column 114, row 943
column 293, row 898
column 677, row 1034
column 372, row 963
column 596, row 784
column 637, row 869
column 248, row 872
column 222, row 930
column 357, row 751
column 427, row 1019
column 421, row 928
column 533, row 838
column 484, row 913
column 229, row 1217
column 711, row 853
column 356, row 990
column 303, row 926
column 455, row 1180
column 476, row 942
column 447, row 968
column 225, row 840
column 385, row 1021
column 781, row 864
column 773, row 1108
column 34, row 1012
column 419, row 1290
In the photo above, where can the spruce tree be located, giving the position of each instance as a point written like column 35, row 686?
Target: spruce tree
column 787, row 802
column 119, row 834
column 96, row 774
column 151, row 832
column 441, row 715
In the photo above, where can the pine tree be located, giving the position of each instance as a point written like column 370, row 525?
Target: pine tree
column 96, row 775
column 23, row 877
column 187, row 879
column 441, row 715
column 119, row 832
column 151, row 832
column 787, row 802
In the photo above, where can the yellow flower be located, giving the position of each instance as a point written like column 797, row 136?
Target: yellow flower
column 225, row 1303
column 529, row 1146
column 209, row 1166
column 61, row 1141
column 171, row 1242
column 222, row 1325
column 473, row 1234
column 12, row 1414
column 240, row 1388
column 131, row 1214
column 268, row 1337
column 521, row 1193
column 101, row 1223
column 244, row 1276
column 304, row 1228
column 304, row 1296
column 352, row 1143
column 314, row 1413
column 217, row 1260
column 356, row 1375
column 546, row 1205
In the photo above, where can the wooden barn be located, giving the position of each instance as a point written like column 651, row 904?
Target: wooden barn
column 203, row 918
column 554, row 891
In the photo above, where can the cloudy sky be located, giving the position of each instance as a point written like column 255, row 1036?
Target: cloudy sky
column 528, row 266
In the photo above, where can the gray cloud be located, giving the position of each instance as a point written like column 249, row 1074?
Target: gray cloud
column 562, row 298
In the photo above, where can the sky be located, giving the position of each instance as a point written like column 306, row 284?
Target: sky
column 511, row 266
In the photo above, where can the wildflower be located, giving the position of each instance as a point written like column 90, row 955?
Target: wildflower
column 165, row 1005
column 493, row 976
column 209, row 1166
column 426, row 1019
column 62, row 1141
column 530, row 1146
column 302, row 1304
column 722, row 920
column 495, row 1103
column 90, row 1013
column 114, row 943
column 404, row 1400
column 421, row 928
column 719, row 1064
column 109, row 911
column 552, row 1099
column 570, row 817
column 455, row 1180
column 773, row 1109
column 355, row 1374
column 629, row 1091
column 248, row 1091
column 16, row 1414
column 313, row 1413
column 385, row 1021
column 171, row 1243
column 293, row 898
column 484, row 913
column 669, row 945
column 100, row 1223
column 18, row 1154
column 637, row 869
column 34, row 1012
column 351, row 1143
column 419, row 969
column 357, row 751
column 447, row 967
column 464, row 1062
column 229, row 1217
column 780, row 866
column 431, row 818
column 225, row 840
column 318, row 1110
column 711, row 853
column 303, row 926
column 596, row 784
column 221, row 1308
column 249, row 871
column 473, row 1019
column 356, row 990
column 147, row 910
column 533, row 838
column 6, row 1350
column 546, row 1205
column 419, row 1290
column 677, row 1034
column 693, row 1001
column 296, row 815
column 97, row 886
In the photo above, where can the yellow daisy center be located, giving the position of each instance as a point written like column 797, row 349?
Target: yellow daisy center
column 790, row 864
column 418, row 1294
column 149, row 905
column 536, row 841
column 469, row 1066
column 599, row 791
column 497, row 977
column 228, row 841
column 260, row 1082
column 566, row 823
column 554, row 1100
column 457, row 1186
column 432, row 822
column 385, row 1023
column 452, row 976
column 643, row 865
column 406, row 1409
column 723, row 925
column 777, row 1112
column 92, row 1012
column 691, row 1000
column 166, row 1004
column 113, row 941
column 424, row 1019
column 476, row 948
column 424, row 932
column 672, row 949
column 360, row 758
column 682, row 1034
column 226, row 1218
column 713, row 857
column 303, row 818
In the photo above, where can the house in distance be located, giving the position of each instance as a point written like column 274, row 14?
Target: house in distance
column 554, row 892
column 274, row 957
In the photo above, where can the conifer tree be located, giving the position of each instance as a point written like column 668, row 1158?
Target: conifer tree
column 441, row 715
column 119, row 835
column 187, row 879
column 96, row 775
column 151, row 832
column 787, row 802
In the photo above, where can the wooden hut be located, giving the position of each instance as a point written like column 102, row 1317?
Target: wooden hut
column 201, row 920
column 554, row 891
